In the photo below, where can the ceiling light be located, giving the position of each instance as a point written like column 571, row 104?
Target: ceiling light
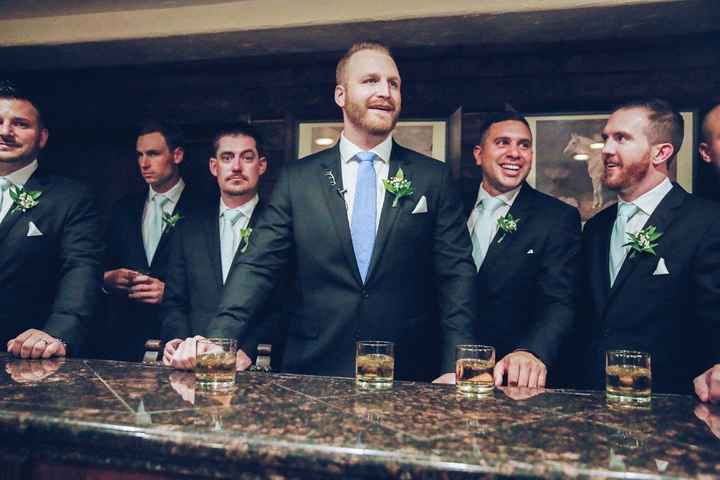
column 597, row 145
column 324, row 141
column 581, row 156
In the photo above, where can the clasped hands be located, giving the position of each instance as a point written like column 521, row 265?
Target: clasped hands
column 139, row 286
column 181, row 354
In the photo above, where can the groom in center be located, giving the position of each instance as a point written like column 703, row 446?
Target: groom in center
column 367, row 263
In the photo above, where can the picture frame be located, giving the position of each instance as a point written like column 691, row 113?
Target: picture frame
column 568, row 161
column 425, row 136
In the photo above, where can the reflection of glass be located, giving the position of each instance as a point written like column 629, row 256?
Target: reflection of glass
column 711, row 416
column 628, row 377
column 33, row 371
column 215, row 362
column 375, row 364
column 474, row 366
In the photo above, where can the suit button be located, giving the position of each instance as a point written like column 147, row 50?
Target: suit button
column 365, row 294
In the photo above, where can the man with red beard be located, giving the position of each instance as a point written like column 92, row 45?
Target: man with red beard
column 654, row 292
column 370, row 260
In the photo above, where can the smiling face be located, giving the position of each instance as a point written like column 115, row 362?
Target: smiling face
column 369, row 96
column 21, row 134
column 505, row 156
column 238, row 167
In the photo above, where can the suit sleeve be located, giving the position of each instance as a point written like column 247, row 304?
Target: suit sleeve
column 454, row 273
column 174, row 307
column 706, row 279
column 259, row 269
column 80, row 272
column 556, row 296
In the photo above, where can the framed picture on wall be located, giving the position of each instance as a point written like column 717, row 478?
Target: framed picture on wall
column 427, row 137
column 568, row 159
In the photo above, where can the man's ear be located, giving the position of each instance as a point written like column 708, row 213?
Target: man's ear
column 178, row 155
column 44, row 134
column 262, row 167
column 212, row 165
column 477, row 153
column 340, row 96
column 662, row 152
column 704, row 149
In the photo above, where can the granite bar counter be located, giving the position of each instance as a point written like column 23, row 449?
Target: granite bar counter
column 68, row 416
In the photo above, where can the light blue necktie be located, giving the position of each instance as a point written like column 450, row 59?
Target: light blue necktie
column 484, row 228
column 619, row 238
column 364, row 212
column 155, row 225
column 228, row 239
column 5, row 184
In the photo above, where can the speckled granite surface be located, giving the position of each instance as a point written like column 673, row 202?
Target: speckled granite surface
column 137, row 417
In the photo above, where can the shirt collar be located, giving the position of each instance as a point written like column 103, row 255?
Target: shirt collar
column 246, row 208
column 508, row 198
column 173, row 195
column 21, row 176
column 648, row 201
column 348, row 149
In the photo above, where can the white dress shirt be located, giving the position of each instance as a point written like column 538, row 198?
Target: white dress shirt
column 508, row 198
column 646, row 203
column 348, row 150
column 18, row 177
column 173, row 196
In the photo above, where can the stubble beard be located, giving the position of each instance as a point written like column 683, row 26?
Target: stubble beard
column 359, row 115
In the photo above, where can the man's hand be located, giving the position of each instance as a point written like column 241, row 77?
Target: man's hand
column 147, row 289
column 523, row 369
column 711, row 416
column 118, row 279
column 169, row 351
column 707, row 384
column 446, row 379
column 32, row 371
column 35, row 343
column 185, row 354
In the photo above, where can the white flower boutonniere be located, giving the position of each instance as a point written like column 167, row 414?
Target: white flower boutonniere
column 643, row 241
column 399, row 186
column 507, row 224
column 245, row 238
column 23, row 200
column 171, row 220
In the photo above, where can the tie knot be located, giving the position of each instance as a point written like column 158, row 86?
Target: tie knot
column 4, row 184
column 627, row 210
column 365, row 157
column 232, row 215
column 491, row 204
column 160, row 199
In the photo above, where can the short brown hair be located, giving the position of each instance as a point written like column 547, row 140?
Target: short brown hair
column 666, row 125
column 357, row 47
column 242, row 129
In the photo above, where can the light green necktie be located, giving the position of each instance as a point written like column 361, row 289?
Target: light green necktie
column 619, row 238
column 5, row 184
column 228, row 239
column 155, row 225
column 484, row 229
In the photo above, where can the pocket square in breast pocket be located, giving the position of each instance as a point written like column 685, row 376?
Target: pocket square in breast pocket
column 421, row 206
column 33, row 231
column 661, row 268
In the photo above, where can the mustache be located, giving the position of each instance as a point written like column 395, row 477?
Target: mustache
column 236, row 177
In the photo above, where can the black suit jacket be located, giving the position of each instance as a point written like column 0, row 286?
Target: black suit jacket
column 419, row 261
column 129, row 322
column 194, row 281
column 527, row 284
column 675, row 317
column 51, row 281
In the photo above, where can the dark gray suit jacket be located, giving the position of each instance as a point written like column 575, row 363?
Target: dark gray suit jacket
column 51, row 281
column 421, row 269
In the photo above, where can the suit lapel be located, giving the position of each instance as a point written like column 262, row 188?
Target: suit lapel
column 179, row 208
column 331, row 186
column 389, row 214
column 211, row 235
column 36, row 182
column 661, row 218
column 601, row 257
column 522, row 209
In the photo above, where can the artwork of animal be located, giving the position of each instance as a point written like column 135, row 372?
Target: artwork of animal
column 579, row 144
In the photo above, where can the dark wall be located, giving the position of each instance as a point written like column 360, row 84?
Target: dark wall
column 92, row 112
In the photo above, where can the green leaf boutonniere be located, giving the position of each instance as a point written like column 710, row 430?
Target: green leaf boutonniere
column 507, row 224
column 23, row 200
column 399, row 186
column 245, row 238
column 643, row 241
column 171, row 220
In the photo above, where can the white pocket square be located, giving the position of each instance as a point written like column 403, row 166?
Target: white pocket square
column 421, row 206
column 661, row 269
column 530, row 252
column 33, row 231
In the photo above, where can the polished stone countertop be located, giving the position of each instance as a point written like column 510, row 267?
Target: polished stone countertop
column 151, row 418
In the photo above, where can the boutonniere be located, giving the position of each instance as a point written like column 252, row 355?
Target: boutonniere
column 507, row 224
column 643, row 241
column 245, row 238
column 399, row 186
column 171, row 220
column 22, row 200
